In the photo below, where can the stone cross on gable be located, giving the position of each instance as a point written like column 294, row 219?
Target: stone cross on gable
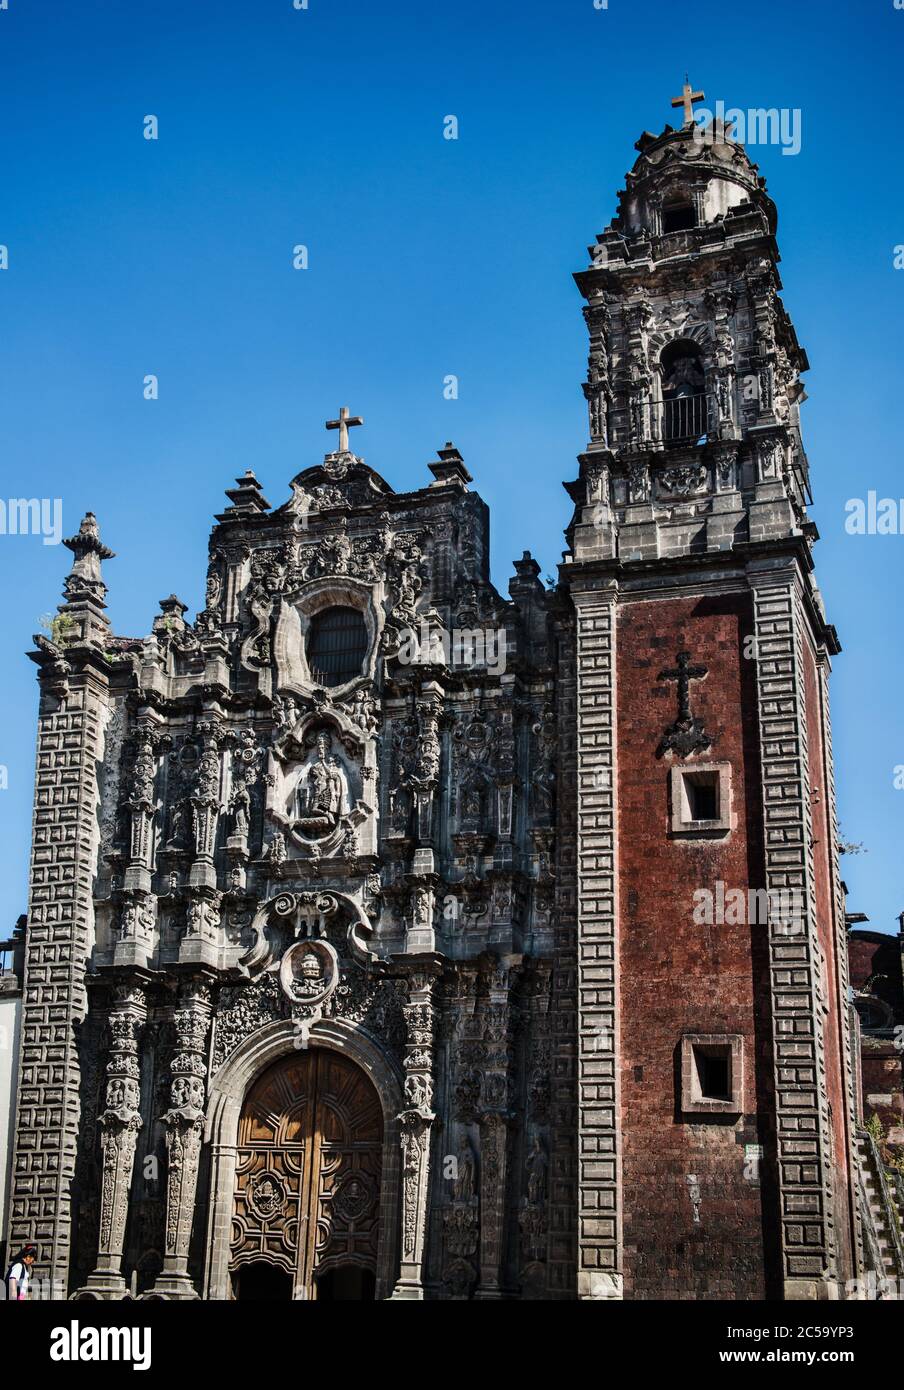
column 687, row 99
column 342, row 425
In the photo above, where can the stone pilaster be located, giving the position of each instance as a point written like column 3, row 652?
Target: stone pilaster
column 142, row 803
column 119, row 1124
column 562, row 1262
column 841, row 966
column 135, row 937
column 599, row 1197
column 184, row 1124
column 416, row 1124
column 427, row 755
column 71, row 728
column 200, row 942
column 804, row 1169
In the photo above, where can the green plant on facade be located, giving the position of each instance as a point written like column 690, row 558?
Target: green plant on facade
column 60, row 629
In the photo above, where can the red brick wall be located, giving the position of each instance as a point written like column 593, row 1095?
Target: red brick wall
column 680, row 977
column 882, row 1068
column 878, row 953
column 877, row 956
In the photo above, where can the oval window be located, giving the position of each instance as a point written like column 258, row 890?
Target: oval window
column 337, row 645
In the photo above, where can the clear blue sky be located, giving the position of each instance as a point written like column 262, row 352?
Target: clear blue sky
column 427, row 257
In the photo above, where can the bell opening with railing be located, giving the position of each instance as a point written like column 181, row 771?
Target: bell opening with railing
column 685, row 403
column 685, row 419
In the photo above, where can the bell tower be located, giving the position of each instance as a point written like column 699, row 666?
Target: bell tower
column 693, row 382
column 714, row 1083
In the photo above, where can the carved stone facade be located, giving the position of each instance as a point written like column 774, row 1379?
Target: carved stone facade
column 361, row 943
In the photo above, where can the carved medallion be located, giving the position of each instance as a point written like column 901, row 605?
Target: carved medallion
column 309, row 972
column 266, row 1196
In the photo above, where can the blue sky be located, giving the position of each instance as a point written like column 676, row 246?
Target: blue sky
column 427, row 257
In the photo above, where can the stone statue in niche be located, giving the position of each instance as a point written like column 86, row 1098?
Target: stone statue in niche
column 178, row 826
column 320, row 790
column 400, row 813
column 536, row 1164
column 463, row 1186
column 319, row 783
column 240, row 806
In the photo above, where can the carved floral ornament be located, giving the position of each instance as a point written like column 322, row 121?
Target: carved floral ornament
column 682, row 482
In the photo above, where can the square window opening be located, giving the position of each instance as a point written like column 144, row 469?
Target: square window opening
column 701, row 793
column 712, row 1070
column 680, row 217
column 713, row 1073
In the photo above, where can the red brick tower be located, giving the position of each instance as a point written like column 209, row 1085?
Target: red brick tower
column 714, row 1072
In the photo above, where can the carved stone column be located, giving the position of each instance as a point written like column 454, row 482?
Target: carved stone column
column 141, row 803
column 135, row 937
column 119, row 1123
column 418, row 765
column 184, row 1123
column 416, row 1123
column 205, row 805
column 494, row 1133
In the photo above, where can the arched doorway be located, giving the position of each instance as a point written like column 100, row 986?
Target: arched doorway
column 306, row 1195
column 258, row 1282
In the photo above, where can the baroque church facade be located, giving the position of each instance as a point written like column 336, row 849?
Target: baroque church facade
column 364, row 957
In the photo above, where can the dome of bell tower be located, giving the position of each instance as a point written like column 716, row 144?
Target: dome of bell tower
column 692, row 177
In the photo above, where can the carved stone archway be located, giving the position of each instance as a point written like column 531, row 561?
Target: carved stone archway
column 227, row 1093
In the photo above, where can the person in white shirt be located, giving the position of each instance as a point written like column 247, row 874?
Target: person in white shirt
column 19, row 1273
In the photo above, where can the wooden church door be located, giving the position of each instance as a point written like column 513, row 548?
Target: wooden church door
column 307, row 1180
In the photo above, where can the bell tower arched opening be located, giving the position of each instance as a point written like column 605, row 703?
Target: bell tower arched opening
column 684, row 400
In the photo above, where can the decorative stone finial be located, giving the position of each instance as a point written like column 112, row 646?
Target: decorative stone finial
column 246, row 497
column 451, row 467
column 84, row 583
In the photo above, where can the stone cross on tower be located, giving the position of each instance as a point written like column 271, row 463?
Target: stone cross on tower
column 683, row 673
column 342, row 425
column 687, row 99
column 687, row 734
